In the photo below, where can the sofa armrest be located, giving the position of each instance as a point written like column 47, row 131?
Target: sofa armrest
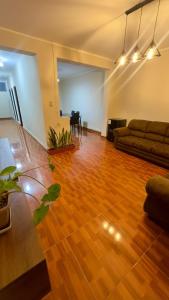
column 122, row 131
column 159, row 187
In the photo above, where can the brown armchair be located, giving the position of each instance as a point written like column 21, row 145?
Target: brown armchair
column 157, row 200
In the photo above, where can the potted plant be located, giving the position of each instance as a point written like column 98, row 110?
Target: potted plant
column 59, row 142
column 9, row 185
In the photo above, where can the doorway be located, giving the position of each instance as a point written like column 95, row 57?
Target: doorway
column 21, row 99
column 81, row 90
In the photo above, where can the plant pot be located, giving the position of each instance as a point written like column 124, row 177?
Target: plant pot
column 53, row 151
column 5, row 219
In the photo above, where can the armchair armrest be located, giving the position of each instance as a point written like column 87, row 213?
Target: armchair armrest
column 122, row 131
column 159, row 187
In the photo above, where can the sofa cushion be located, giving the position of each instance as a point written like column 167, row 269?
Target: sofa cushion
column 139, row 143
column 137, row 133
column 157, row 127
column 128, row 140
column 144, row 145
column 154, row 137
column 140, row 125
column 166, row 140
column 167, row 132
column 166, row 176
column 161, row 149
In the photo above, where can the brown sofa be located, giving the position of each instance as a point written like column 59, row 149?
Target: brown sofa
column 147, row 139
column 157, row 200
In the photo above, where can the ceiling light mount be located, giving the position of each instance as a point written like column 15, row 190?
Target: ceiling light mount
column 138, row 6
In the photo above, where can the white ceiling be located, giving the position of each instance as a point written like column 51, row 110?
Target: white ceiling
column 91, row 25
column 68, row 70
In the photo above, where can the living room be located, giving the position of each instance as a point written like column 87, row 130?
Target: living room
column 87, row 220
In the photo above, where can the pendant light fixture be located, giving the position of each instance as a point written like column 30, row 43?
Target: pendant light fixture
column 152, row 50
column 122, row 60
column 137, row 56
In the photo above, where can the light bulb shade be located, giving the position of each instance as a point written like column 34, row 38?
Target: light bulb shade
column 122, row 60
column 136, row 56
column 152, row 51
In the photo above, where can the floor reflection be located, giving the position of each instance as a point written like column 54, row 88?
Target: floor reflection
column 110, row 229
column 24, row 148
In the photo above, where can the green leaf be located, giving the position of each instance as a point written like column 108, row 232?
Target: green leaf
column 53, row 193
column 8, row 170
column 48, row 198
column 1, row 184
column 11, row 185
column 40, row 213
column 16, row 175
column 54, row 188
column 51, row 165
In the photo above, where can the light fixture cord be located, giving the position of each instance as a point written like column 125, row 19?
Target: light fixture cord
column 125, row 33
column 139, row 27
column 155, row 25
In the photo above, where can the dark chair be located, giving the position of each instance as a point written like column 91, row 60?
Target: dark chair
column 157, row 200
column 75, row 120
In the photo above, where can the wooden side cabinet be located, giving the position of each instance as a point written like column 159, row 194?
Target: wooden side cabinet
column 112, row 124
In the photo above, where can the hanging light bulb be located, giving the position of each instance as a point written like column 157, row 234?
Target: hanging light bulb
column 152, row 50
column 122, row 60
column 137, row 56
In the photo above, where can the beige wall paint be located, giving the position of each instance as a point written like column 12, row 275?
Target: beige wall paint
column 142, row 91
column 47, row 55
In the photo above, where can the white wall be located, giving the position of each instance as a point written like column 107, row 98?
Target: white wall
column 84, row 94
column 5, row 107
column 26, row 79
column 142, row 93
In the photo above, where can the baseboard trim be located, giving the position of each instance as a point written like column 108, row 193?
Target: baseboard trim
column 92, row 130
column 10, row 118
column 36, row 139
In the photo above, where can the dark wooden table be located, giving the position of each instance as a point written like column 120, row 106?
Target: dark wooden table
column 23, row 269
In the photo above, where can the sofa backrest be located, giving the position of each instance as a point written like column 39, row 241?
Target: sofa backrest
column 140, row 125
column 156, row 131
column 152, row 130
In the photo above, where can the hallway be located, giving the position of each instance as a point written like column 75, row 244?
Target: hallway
column 97, row 240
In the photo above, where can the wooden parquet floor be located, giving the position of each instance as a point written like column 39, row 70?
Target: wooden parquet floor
column 98, row 242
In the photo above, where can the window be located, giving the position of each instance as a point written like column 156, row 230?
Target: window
column 2, row 86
